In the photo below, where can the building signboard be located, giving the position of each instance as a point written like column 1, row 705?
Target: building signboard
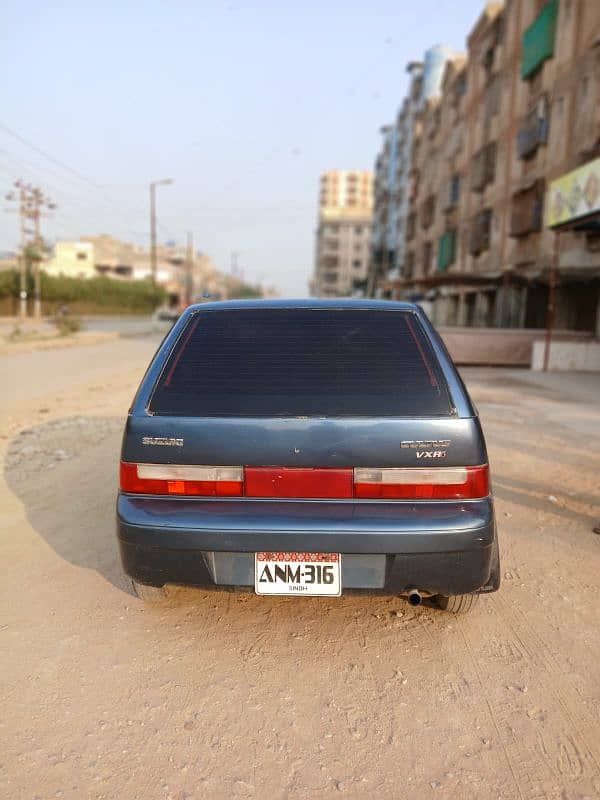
column 574, row 195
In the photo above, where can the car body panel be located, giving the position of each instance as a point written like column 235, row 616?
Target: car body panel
column 304, row 442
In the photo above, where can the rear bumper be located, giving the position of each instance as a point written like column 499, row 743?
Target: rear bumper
column 440, row 547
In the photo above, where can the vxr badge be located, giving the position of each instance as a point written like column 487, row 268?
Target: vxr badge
column 427, row 448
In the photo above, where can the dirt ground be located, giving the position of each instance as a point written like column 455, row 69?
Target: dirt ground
column 224, row 695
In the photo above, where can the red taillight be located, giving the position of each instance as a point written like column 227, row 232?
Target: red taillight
column 388, row 483
column 182, row 480
column 292, row 482
column 415, row 483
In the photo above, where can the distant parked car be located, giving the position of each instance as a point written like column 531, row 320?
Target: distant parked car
column 307, row 448
column 166, row 314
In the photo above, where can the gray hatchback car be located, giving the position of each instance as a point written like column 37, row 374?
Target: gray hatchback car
column 307, row 448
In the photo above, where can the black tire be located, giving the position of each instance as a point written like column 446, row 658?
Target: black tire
column 457, row 603
column 153, row 595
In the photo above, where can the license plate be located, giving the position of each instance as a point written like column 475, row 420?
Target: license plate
column 316, row 574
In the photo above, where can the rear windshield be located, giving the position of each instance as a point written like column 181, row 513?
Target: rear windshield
column 302, row 362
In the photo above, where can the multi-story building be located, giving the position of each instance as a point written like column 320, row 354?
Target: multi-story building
column 393, row 168
column 343, row 233
column 72, row 259
column 114, row 258
column 519, row 112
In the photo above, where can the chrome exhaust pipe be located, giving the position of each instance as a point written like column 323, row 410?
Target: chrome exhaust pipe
column 414, row 597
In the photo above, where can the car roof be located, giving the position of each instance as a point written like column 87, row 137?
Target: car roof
column 308, row 303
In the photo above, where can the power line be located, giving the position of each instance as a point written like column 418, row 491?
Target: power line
column 51, row 158
column 35, row 170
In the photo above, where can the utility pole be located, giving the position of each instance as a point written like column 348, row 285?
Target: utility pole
column 31, row 202
column 153, row 185
column 39, row 202
column 189, row 269
column 551, row 306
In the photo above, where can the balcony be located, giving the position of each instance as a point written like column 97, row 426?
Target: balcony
column 527, row 210
column 484, row 167
column 481, row 229
column 534, row 131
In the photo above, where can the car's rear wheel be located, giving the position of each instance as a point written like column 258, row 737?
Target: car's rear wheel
column 457, row 603
column 153, row 595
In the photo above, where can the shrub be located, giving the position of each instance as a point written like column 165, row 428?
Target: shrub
column 67, row 325
column 101, row 293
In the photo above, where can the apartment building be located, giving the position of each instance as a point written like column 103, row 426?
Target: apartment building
column 343, row 234
column 518, row 112
column 393, row 168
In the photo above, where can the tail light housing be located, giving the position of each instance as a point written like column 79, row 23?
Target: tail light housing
column 365, row 483
column 416, row 483
column 190, row 481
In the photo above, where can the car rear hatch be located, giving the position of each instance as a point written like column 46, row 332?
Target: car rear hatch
column 339, row 429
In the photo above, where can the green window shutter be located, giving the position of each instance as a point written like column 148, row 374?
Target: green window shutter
column 538, row 39
column 446, row 250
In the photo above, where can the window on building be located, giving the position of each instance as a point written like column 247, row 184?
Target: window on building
column 358, row 230
column 534, row 129
column 481, row 232
column 410, row 225
column 526, row 210
column 435, row 123
column 490, row 46
column 447, row 250
column 585, row 85
column 484, row 167
column 81, row 256
column 357, row 263
column 460, row 88
column 539, row 40
column 493, row 97
column 427, row 257
column 452, row 192
column 428, row 211
column 409, row 265
column 415, row 179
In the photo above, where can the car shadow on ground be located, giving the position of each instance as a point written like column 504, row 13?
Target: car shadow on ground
column 65, row 473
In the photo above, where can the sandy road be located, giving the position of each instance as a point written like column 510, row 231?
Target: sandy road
column 222, row 695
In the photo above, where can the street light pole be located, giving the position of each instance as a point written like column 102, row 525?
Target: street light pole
column 189, row 270
column 153, row 185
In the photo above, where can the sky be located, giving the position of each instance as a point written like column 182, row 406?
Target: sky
column 242, row 104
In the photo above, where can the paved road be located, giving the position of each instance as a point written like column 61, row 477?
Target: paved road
column 126, row 326
column 222, row 695
column 41, row 374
